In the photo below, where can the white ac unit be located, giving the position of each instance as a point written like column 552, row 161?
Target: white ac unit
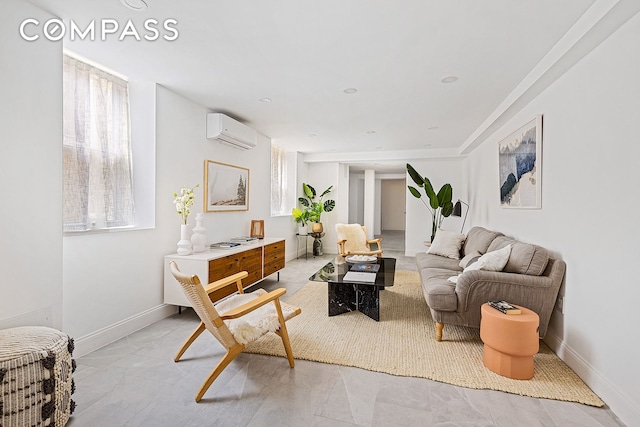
column 230, row 131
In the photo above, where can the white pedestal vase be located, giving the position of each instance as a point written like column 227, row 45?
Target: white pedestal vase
column 199, row 238
column 184, row 244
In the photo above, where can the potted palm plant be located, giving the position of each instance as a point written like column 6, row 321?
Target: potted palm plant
column 440, row 205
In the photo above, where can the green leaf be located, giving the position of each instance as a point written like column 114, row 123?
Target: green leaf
column 329, row 205
column 414, row 191
column 304, row 202
column 328, row 190
column 445, row 194
column 300, row 216
column 433, row 198
column 415, row 176
column 447, row 209
column 309, row 190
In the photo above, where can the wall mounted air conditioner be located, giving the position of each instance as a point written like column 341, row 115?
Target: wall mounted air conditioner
column 230, row 131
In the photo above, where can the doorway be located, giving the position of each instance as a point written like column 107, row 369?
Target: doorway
column 393, row 214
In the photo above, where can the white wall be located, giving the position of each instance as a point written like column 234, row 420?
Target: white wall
column 589, row 214
column 320, row 176
column 113, row 281
column 30, row 173
column 377, row 208
column 439, row 172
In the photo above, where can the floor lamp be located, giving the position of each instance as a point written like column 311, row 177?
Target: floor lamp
column 457, row 211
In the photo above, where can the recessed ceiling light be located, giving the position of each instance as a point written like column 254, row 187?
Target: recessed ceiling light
column 433, row 128
column 350, row 90
column 449, row 79
column 265, row 99
column 371, row 132
column 313, row 135
column 135, row 4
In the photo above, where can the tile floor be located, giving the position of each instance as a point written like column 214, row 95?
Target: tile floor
column 134, row 382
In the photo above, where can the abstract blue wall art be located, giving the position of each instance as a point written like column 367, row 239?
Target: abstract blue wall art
column 520, row 163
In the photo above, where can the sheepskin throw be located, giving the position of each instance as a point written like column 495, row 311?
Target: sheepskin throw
column 254, row 324
column 356, row 240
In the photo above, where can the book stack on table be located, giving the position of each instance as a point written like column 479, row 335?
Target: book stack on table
column 505, row 307
column 224, row 245
column 365, row 273
column 244, row 240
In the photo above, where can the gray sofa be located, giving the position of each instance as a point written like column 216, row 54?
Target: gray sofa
column 530, row 279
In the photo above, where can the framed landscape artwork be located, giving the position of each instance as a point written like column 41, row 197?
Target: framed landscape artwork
column 226, row 187
column 520, row 167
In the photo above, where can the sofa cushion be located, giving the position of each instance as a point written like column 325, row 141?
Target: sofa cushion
column 525, row 258
column 424, row 260
column 478, row 240
column 469, row 259
column 447, row 244
column 439, row 293
column 492, row 260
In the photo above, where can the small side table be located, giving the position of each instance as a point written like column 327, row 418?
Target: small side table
column 317, row 243
column 510, row 341
column 304, row 239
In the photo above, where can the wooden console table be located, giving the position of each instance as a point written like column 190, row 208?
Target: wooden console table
column 259, row 259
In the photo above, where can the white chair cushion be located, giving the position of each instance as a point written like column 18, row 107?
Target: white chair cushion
column 255, row 324
column 356, row 240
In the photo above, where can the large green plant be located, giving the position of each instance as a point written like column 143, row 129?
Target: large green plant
column 439, row 205
column 312, row 205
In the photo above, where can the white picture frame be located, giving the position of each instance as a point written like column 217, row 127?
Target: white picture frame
column 520, row 167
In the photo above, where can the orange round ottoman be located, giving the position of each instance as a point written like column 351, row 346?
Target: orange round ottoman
column 510, row 341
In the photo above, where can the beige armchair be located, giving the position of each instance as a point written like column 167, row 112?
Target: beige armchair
column 233, row 328
column 352, row 240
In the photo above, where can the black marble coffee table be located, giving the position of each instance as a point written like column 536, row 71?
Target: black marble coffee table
column 351, row 296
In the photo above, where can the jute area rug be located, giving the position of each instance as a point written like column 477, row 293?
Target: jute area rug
column 403, row 343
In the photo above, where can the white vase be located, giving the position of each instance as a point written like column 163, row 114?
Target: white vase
column 184, row 244
column 199, row 237
column 302, row 230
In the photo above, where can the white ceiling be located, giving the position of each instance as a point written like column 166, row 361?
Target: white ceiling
column 302, row 54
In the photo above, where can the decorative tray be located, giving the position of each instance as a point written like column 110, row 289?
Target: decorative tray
column 360, row 258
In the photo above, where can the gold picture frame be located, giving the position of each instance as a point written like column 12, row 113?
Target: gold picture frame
column 226, row 187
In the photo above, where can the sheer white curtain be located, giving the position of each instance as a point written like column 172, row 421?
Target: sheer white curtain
column 278, row 180
column 98, row 187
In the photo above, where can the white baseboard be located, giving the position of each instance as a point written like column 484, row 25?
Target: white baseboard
column 621, row 404
column 98, row 339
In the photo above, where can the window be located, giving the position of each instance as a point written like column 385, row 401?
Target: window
column 283, row 176
column 98, row 183
column 278, row 180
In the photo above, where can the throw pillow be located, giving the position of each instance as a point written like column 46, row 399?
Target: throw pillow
column 469, row 259
column 492, row 261
column 447, row 244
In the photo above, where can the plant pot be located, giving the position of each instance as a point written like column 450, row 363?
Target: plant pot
column 303, row 230
column 317, row 227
